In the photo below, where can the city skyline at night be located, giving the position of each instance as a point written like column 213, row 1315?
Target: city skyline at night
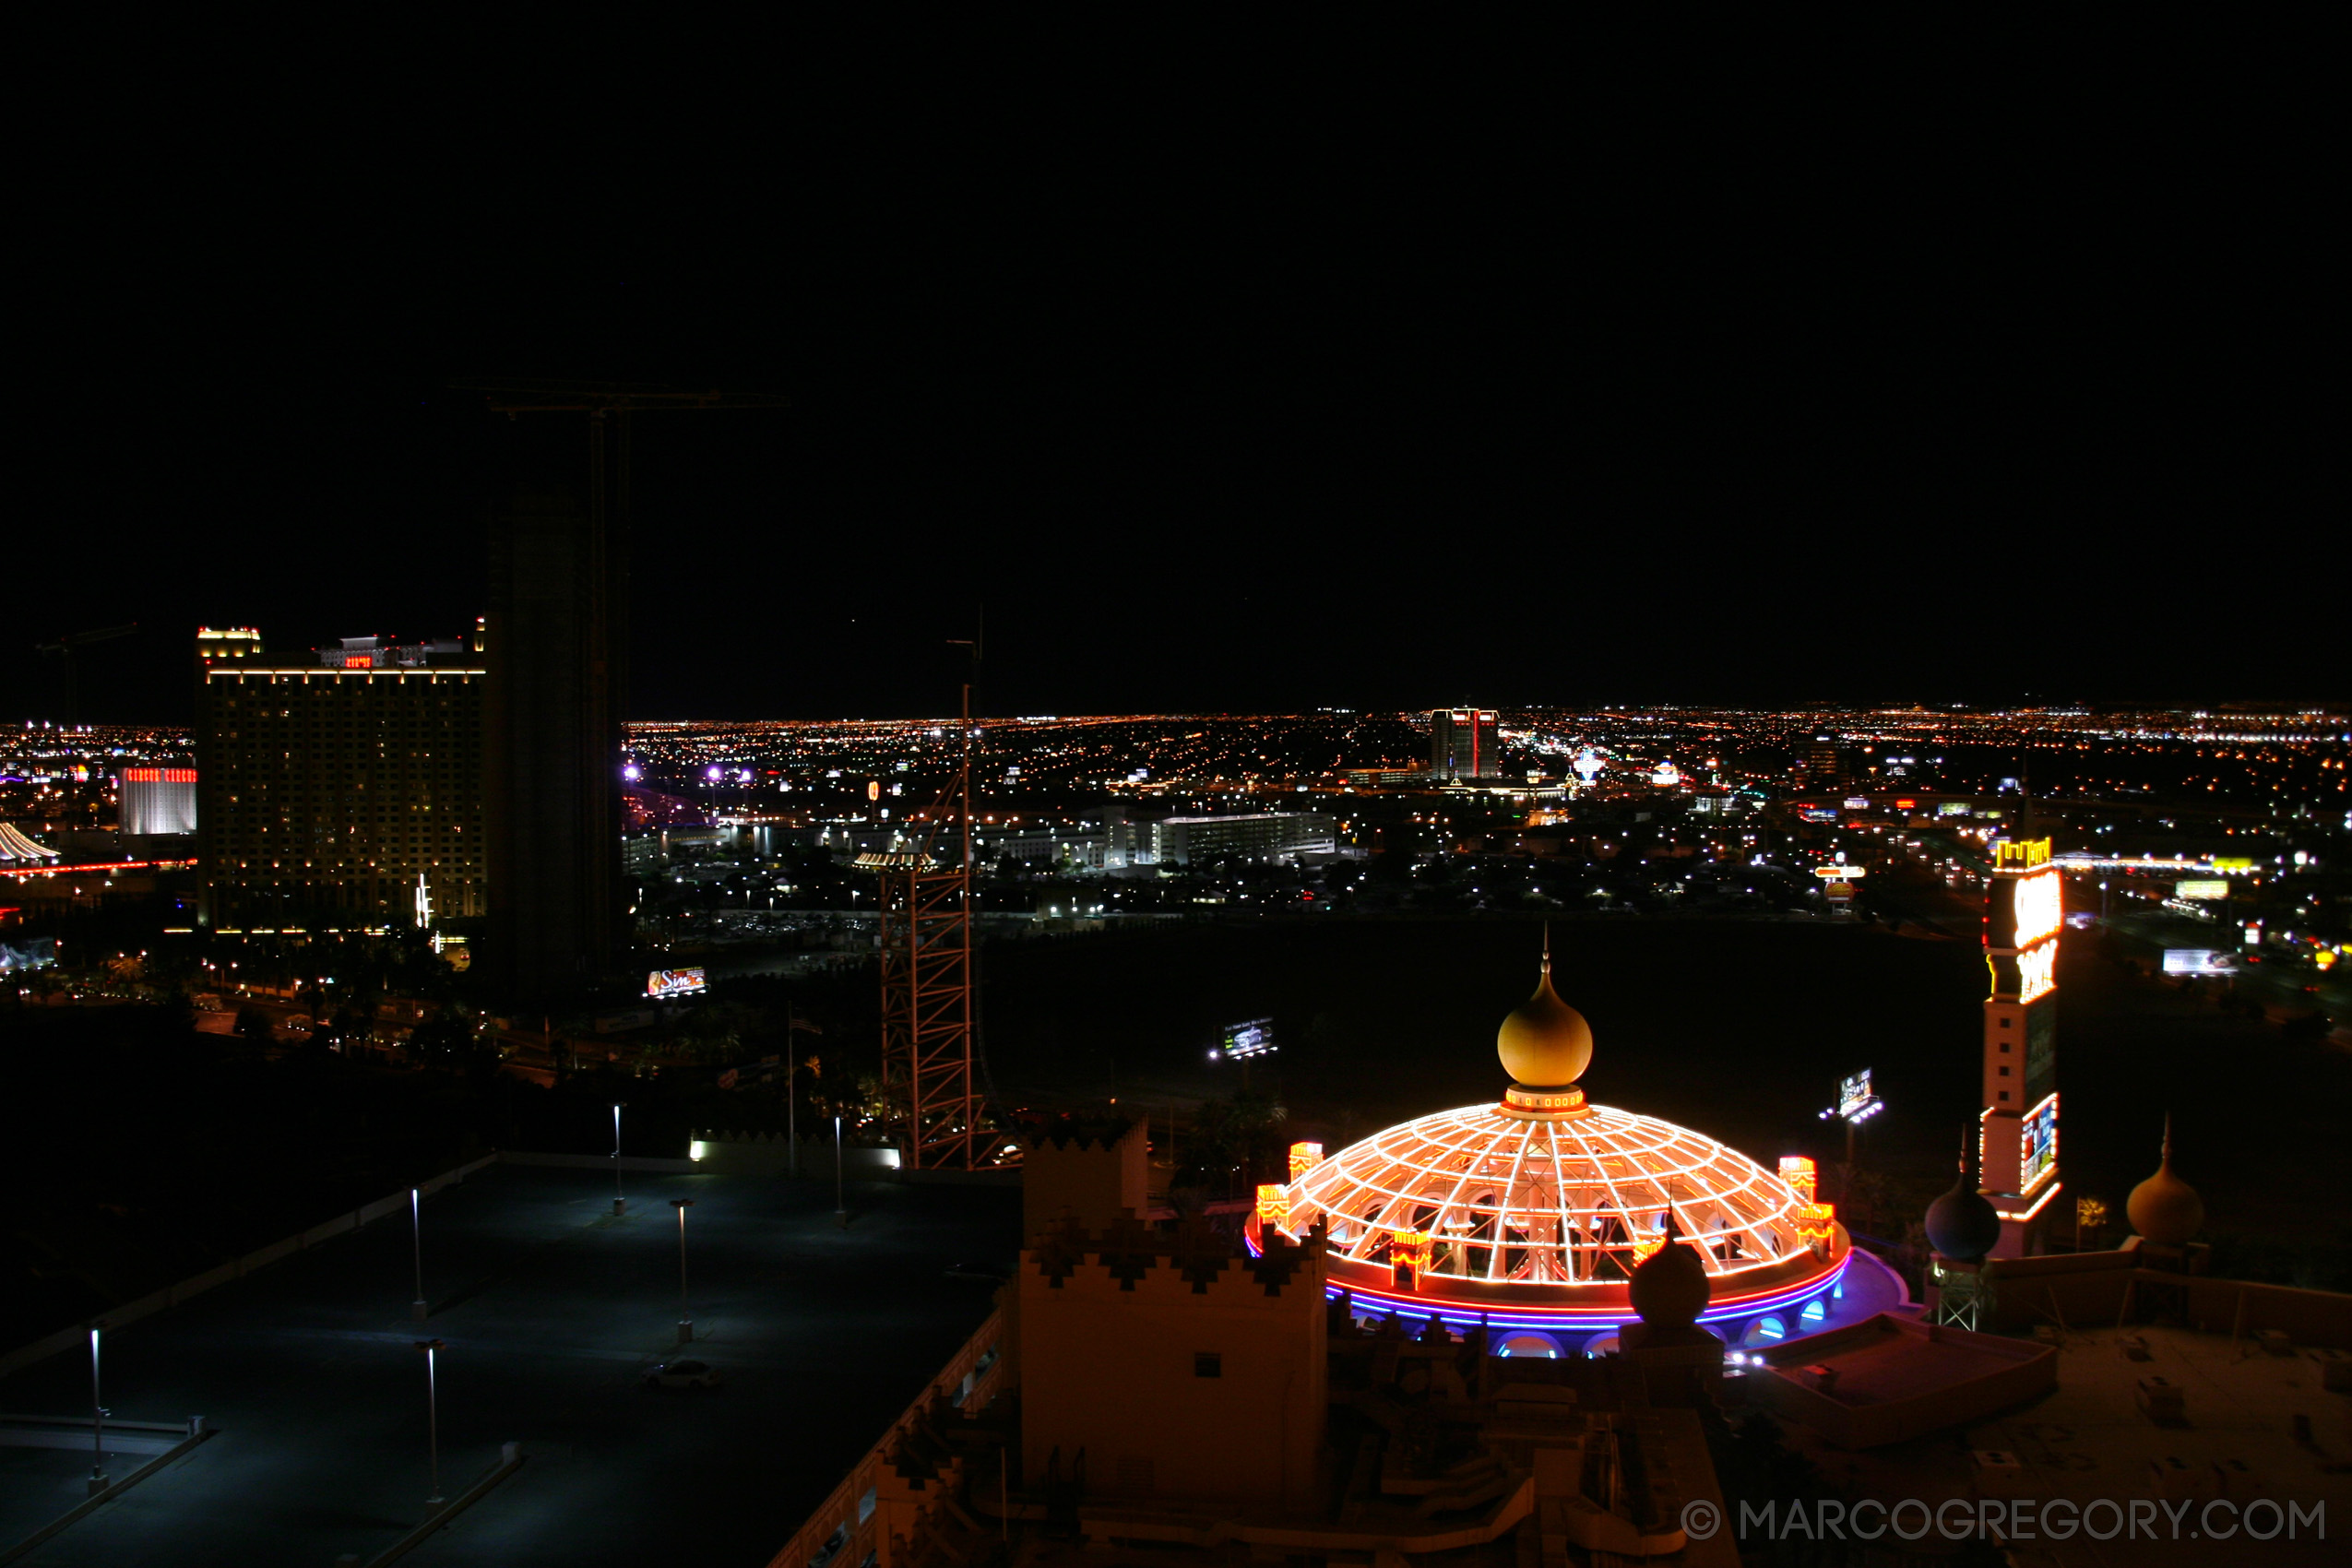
column 814, row 835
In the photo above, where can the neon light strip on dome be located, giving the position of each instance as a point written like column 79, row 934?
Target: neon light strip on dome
column 1456, row 1315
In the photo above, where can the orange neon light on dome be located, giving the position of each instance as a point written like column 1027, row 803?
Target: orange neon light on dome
column 1799, row 1172
column 1274, row 1203
column 1304, row 1159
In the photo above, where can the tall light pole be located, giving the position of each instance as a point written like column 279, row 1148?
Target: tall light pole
column 433, row 1416
column 685, row 1321
column 840, row 1204
column 620, row 1204
column 418, row 1310
column 97, row 1481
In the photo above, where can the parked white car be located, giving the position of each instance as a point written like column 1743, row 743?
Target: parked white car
column 682, row 1374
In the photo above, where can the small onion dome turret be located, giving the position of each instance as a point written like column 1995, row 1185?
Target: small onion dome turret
column 1670, row 1287
column 1545, row 1043
column 1961, row 1224
column 2163, row 1208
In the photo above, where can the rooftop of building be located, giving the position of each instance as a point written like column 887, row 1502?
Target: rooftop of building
column 1887, row 1358
column 1442, row 1452
column 243, row 657
column 2251, row 1422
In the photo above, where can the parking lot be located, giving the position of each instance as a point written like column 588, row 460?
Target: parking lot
column 551, row 1310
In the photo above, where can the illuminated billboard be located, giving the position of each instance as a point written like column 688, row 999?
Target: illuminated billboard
column 2041, row 1052
column 2023, row 911
column 1951, row 808
column 2216, row 887
column 1855, row 1100
column 1254, row 1037
column 2038, row 971
column 2199, row 961
column 676, row 982
column 2038, row 1145
column 27, row 954
column 2020, row 854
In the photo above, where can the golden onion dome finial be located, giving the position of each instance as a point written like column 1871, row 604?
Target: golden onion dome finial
column 2163, row 1208
column 1545, row 1043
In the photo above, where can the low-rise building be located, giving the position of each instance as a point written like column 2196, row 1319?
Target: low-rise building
column 158, row 801
column 1252, row 835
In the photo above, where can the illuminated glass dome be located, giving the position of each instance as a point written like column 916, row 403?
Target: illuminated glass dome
column 1535, row 1211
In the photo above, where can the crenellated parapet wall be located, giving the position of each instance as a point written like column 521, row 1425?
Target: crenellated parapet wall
column 1157, row 1363
column 1091, row 1169
column 897, row 1489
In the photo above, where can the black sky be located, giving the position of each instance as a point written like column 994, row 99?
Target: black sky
column 1259, row 379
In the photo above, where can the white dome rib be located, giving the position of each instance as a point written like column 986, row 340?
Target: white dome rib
column 1551, row 1201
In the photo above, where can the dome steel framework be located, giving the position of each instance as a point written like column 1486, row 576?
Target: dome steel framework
column 1579, row 1200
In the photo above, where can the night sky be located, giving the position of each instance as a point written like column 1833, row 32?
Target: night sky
column 1277, row 385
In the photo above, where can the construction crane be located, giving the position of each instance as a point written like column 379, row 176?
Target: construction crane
column 930, row 983
column 58, row 659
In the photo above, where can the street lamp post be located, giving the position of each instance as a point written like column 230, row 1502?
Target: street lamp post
column 97, row 1481
column 433, row 1416
column 418, row 1310
column 840, row 1204
column 685, row 1320
column 620, row 1204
